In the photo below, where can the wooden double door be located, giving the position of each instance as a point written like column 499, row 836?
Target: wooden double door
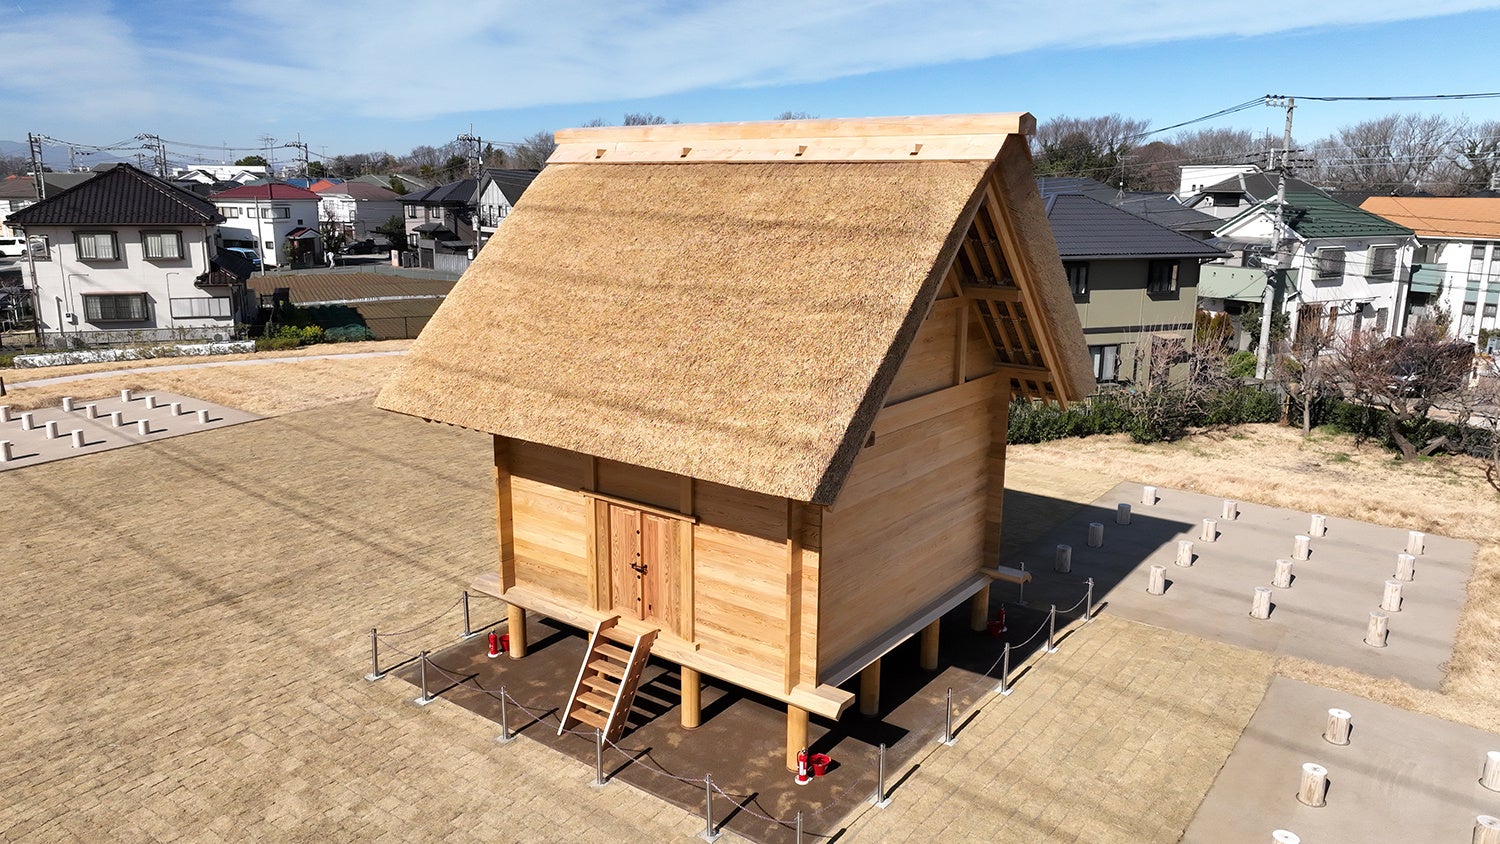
column 645, row 565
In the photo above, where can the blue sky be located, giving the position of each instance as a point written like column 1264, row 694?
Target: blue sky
column 381, row 74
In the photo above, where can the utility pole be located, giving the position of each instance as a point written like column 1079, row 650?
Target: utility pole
column 1276, row 271
column 299, row 145
column 155, row 143
column 476, row 169
column 39, row 183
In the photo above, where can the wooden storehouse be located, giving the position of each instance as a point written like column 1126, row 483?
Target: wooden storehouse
column 748, row 384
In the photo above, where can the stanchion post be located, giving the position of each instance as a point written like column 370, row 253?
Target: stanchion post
column 708, row 810
column 799, row 826
column 1052, row 630
column 948, row 717
column 1088, row 602
column 598, row 758
column 375, row 673
column 467, row 632
column 1005, row 671
column 505, row 736
column 881, row 801
column 1021, row 588
column 426, row 697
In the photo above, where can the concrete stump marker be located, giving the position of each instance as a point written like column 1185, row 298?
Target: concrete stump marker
column 1096, row 534
column 5, row 453
column 1281, row 836
column 1415, row 540
column 1210, row 530
column 1339, row 724
column 1157, row 584
column 28, row 422
column 91, row 411
column 1302, row 547
column 202, row 417
column 1406, row 567
column 4, row 413
column 1062, row 559
column 117, row 418
column 1231, row 510
column 1319, row 526
column 51, row 427
column 78, row 438
column 1260, row 605
column 1490, row 776
column 127, row 395
column 1148, row 495
column 1184, row 552
column 67, row 403
column 1391, row 600
column 1486, row 830
column 1375, row 633
column 1122, row 514
column 1283, row 576
column 1314, row 788
column 143, row 427
column 176, row 407
column 151, row 401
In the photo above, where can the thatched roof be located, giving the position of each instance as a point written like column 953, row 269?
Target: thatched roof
column 734, row 322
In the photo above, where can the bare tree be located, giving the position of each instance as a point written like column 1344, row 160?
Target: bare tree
column 1406, row 377
column 1305, row 368
column 796, row 115
column 644, row 118
column 1085, row 146
column 1223, row 146
column 1153, row 167
column 1392, row 154
column 534, row 150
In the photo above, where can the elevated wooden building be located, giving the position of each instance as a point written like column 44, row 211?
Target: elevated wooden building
column 748, row 386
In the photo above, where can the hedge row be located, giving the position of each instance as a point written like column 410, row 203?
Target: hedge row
column 1160, row 415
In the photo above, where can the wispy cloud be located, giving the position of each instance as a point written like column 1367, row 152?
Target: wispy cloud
column 391, row 59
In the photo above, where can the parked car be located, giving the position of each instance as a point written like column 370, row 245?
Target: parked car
column 12, row 247
column 248, row 254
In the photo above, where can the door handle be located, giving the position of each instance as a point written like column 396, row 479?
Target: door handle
column 640, row 568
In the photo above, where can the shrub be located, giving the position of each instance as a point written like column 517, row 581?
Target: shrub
column 348, row 334
column 7, row 360
column 1240, row 406
column 1240, row 365
column 273, row 344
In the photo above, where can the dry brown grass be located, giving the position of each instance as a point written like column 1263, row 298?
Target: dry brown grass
column 1333, row 475
column 268, row 390
column 21, row 376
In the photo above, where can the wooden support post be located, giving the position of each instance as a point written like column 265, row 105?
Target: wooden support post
column 869, row 690
column 1319, row 526
column 517, row 617
column 67, row 403
column 1281, row 836
column 979, row 609
column 1415, row 542
column 1157, row 584
column 1302, row 547
column 796, row 734
column 1096, row 534
column 692, row 698
column 1486, row 829
column 1314, row 789
column 6, row 455
column 1260, row 606
column 1231, row 510
column 1185, row 553
column 1148, row 495
column 1210, row 530
column 1391, row 600
column 929, row 658
column 1283, row 577
column 1490, row 776
column 1062, row 559
column 1375, row 633
column 1406, row 566
column 1337, row 732
column 1122, row 514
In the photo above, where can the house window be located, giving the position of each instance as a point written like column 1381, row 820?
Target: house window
column 1469, row 308
column 1106, row 363
column 201, row 307
column 1476, row 260
column 115, row 307
column 411, row 212
column 270, row 246
column 1330, row 262
column 163, row 246
column 97, row 246
column 1161, row 277
column 40, row 247
column 277, row 213
column 1489, row 310
column 229, row 213
column 1382, row 262
column 1078, row 276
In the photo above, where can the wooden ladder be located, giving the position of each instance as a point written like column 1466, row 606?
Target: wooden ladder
column 607, row 679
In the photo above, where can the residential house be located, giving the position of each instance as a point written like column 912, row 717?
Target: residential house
column 441, row 225
column 399, row 182
column 1239, row 193
column 1158, row 207
column 126, row 256
column 355, row 209
column 1193, row 178
column 17, row 192
column 1135, row 285
column 209, row 174
column 498, row 192
column 277, row 220
column 1456, row 264
column 1334, row 262
column 776, row 448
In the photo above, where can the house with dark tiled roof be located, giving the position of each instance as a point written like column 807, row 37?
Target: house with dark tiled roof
column 497, row 194
column 1157, row 206
column 17, row 192
column 1242, row 191
column 1134, row 283
column 1332, row 262
column 128, row 257
column 441, row 225
column 355, row 209
column 277, row 220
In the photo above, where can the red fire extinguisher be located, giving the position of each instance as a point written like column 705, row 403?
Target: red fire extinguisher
column 802, row 776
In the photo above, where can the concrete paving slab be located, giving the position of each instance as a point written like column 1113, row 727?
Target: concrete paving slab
column 33, row 447
column 1322, row 616
column 1402, row 777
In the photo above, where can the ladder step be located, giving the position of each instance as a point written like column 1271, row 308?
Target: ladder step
column 612, row 652
column 603, row 686
column 597, row 701
column 590, row 717
column 604, row 666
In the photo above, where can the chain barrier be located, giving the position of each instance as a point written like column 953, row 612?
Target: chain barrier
column 434, row 620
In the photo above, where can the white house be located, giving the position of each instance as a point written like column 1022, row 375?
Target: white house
column 127, row 256
column 1193, row 178
column 209, row 174
column 1457, row 262
column 1342, row 265
column 499, row 190
column 355, row 209
column 277, row 220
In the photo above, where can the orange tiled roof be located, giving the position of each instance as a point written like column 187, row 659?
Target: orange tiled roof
column 1458, row 217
